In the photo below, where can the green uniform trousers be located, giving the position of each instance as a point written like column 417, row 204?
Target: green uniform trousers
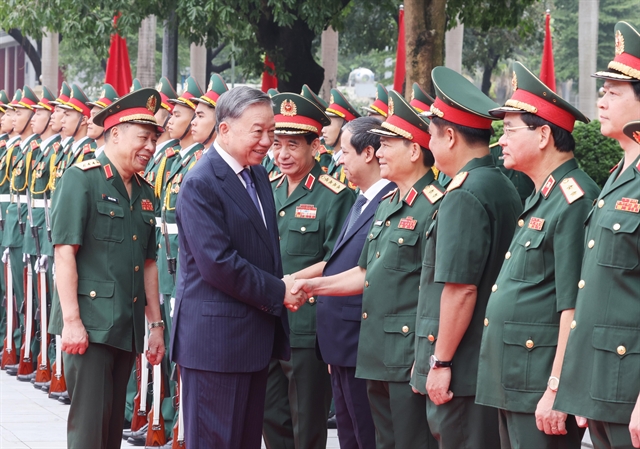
column 96, row 382
column 297, row 402
column 519, row 431
column 17, row 275
column 399, row 416
column 463, row 424
column 606, row 435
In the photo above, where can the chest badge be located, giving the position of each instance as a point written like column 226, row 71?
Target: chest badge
column 407, row 223
column 306, row 211
column 147, row 205
column 536, row 223
column 628, row 205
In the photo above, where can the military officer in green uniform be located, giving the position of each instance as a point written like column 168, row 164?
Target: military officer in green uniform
column 380, row 106
column 528, row 316
column 5, row 128
column 600, row 381
column 340, row 111
column 203, row 125
column 107, row 96
column 269, row 160
column 463, row 255
column 75, row 122
column 104, row 240
column 311, row 208
column 324, row 155
column 388, row 277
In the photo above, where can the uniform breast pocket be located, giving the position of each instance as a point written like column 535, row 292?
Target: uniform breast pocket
column 149, row 221
column 527, row 260
column 528, row 354
column 618, row 240
column 403, row 253
column 429, row 260
column 109, row 222
column 304, row 238
column 616, row 364
column 373, row 244
column 398, row 340
column 96, row 302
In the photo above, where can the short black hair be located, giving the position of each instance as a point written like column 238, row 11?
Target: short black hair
column 361, row 138
column 473, row 136
column 308, row 137
column 562, row 138
column 427, row 156
column 636, row 89
column 107, row 133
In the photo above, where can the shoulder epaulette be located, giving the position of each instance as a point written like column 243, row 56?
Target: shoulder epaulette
column 3, row 143
column 86, row 165
column 457, row 181
column 390, row 193
column 141, row 176
column 571, row 190
column 276, row 177
column 34, row 144
column 432, row 193
column 332, row 184
column 170, row 152
column 56, row 146
column 86, row 149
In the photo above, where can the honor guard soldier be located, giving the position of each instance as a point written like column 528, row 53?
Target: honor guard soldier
column 107, row 96
column 392, row 255
column 5, row 128
column 15, row 226
column 76, row 116
column 203, row 125
column 528, row 317
column 269, row 161
column 379, row 107
column 56, row 118
column 340, row 112
column 599, row 380
column 311, row 208
column 420, row 100
column 103, row 212
column 463, row 254
column 324, row 156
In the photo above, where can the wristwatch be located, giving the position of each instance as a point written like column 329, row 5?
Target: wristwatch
column 434, row 363
column 156, row 324
column 553, row 383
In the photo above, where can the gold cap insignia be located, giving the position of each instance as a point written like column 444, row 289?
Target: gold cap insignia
column 636, row 135
column 390, row 107
column 331, row 100
column 435, row 111
column 288, row 108
column 619, row 43
column 514, row 81
column 151, row 103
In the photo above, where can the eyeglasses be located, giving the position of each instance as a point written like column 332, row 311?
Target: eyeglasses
column 508, row 132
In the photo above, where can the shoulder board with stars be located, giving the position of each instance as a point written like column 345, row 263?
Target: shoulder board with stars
column 457, row 181
column 391, row 193
column 146, row 181
column 548, row 185
column 571, row 190
column 86, row 165
column 332, row 184
column 276, row 177
column 432, row 193
column 86, row 149
column 310, row 181
column 34, row 144
column 411, row 197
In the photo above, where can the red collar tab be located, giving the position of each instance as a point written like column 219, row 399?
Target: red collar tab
column 411, row 197
column 309, row 181
column 108, row 171
column 546, row 189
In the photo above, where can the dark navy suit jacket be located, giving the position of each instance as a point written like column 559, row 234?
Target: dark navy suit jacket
column 338, row 317
column 228, row 314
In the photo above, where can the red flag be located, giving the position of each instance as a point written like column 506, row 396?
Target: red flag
column 268, row 81
column 401, row 55
column 118, row 65
column 547, row 71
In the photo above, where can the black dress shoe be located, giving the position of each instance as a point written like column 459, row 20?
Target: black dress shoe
column 12, row 370
column 26, row 377
column 64, row 398
column 138, row 440
column 331, row 422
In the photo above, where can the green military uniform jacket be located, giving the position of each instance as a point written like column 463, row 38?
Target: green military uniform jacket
column 325, row 157
column 116, row 236
column 20, row 164
column 392, row 255
column 6, row 146
column 600, row 376
column 466, row 245
column 309, row 222
column 39, row 184
column 82, row 150
column 60, row 162
column 179, row 168
column 523, row 184
column 538, row 280
column 269, row 164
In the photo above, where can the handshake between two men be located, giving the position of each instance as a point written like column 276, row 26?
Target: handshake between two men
column 293, row 301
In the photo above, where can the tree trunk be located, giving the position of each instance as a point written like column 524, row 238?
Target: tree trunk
column 146, row 67
column 424, row 35
column 329, row 61
column 588, row 56
column 29, row 49
column 453, row 48
column 198, row 64
column 489, row 67
column 50, row 61
column 170, row 49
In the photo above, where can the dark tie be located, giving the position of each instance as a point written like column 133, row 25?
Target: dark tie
column 356, row 211
column 251, row 188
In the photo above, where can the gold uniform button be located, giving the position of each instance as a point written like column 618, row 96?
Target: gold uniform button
column 112, row 213
column 494, row 288
column 364, row 316
column 366, row 283
column 135, row 237
column 135, row 299
column 377, row 254
column 621, row 350
column 401, row 240
column 573, row 324
column 600, row 204
column 529, row 344
column 92, row 294
column 431, row 338
column 387, row 223
column 508, row 255
column 136, row 268
column 486, row 322
column 303, row 229
column 151, row 221
column 405, row 329
column 616, row 227
column 159, row 246
column 370, row 236
column 282, row 213
column 312, row 300
column 130, row 207
column 581, row 283
column 521, row 222
column 591, row 243
column 528, row 244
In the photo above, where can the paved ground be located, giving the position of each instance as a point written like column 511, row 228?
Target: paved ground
column 29, row 419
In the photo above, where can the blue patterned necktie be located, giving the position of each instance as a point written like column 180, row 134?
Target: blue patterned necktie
column 251, row 188
column 356, row 210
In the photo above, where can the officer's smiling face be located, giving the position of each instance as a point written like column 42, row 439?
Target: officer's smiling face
column 132, row 146
column 179, row 121
column 249, row 137
column 203, row 123
column 295, row 155
column 393, row 155
column 617, row 107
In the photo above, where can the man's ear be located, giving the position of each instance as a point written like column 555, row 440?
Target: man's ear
column 416, row 152
column 545, row 136
column 369, row 154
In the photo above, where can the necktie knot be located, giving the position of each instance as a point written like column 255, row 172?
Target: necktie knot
column 356, row 210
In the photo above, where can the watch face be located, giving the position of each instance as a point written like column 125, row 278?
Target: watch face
column 553, row 383
column 432, row 361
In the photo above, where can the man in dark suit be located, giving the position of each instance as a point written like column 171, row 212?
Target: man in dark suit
column 338, row 317
column 229, row 317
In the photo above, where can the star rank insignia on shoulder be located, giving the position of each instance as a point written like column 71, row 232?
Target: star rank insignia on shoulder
column 146, row 181
column 457, row 181
column 275, row 176
column 432, row 193
column 332, row 184
column 91, row 163
column 34, row 144
column 571, row 190
column 86, row 149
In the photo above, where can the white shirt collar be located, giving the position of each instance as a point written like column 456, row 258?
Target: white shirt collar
column 233, row 163
column 372, row 191
column 337, row 154
column 23, row 144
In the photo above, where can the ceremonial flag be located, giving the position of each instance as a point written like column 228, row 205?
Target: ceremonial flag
column 118, row 72
column 401, row 55
column 268, row 81
column 547, row 71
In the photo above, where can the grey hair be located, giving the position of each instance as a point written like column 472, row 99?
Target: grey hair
column 233, row 103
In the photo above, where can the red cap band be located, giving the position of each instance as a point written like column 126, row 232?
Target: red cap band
column 380, row 106
column 342, row 112
column 419, row 105
column 62, row 98
column 131, row 114
column 299, row 122
column 211, row 97
column 628, row 60
column 418, row 135
column 164, row 102
column 460, row 117
column 548, row 111
column 79, row 106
